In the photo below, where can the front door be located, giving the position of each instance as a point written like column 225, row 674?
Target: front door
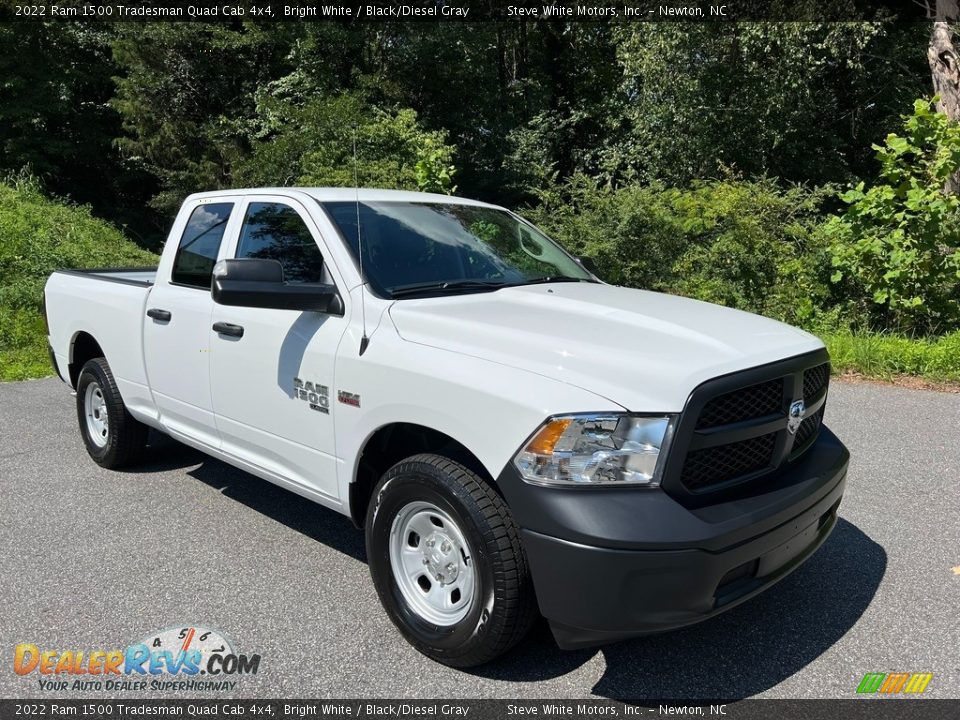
column 272, row 370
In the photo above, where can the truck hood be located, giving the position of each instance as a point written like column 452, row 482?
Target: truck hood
column 642, row 350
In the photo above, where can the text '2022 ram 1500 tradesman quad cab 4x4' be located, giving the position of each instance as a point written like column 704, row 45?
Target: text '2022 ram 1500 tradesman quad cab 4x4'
column 512, row 433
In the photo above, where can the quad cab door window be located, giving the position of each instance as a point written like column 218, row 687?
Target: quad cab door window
column 260, row 414
column 200, row 245
column 177, row 331
column 273, row 231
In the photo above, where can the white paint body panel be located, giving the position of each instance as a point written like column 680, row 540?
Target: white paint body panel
column 643, row 350
column 485, row 368
column 113, row 313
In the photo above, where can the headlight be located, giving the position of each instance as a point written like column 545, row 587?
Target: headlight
column 596, row 449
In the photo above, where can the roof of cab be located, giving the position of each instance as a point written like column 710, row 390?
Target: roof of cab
column 347, row 195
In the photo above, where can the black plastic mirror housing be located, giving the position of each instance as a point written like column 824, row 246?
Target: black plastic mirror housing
column 251, row 282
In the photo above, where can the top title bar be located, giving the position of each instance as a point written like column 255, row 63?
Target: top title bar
column 469, row 11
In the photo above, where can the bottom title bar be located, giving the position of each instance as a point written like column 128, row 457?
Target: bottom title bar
column 874, row 709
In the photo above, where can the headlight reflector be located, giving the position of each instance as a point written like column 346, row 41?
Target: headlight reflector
column 595, row 450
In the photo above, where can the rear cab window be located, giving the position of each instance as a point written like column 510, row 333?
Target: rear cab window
column 200, row 245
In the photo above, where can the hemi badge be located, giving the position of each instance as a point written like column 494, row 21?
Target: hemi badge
column 348, row 398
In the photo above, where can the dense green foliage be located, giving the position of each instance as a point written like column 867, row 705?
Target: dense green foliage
column 37, row 236
column 154, row 111
column 898, row 243
column 746, row 244
column 313, row 145
column 739, row 163
column 798, row 101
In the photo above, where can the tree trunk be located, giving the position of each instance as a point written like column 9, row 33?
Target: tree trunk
column 943, row 58
column 945, row 69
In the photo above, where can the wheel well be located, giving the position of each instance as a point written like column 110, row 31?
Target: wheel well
column 85, row 348
column 391, row 444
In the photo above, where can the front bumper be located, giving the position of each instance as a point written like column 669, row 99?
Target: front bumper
column 612, row 563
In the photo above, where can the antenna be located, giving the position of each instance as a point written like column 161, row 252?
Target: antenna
column 364, row 340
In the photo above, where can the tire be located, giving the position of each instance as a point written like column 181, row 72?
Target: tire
column 481, row 572
column 112, row 436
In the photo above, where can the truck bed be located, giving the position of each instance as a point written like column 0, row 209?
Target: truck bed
column 107, row 305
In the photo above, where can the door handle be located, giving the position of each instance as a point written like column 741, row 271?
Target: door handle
column 228, row 329
column 158, row 314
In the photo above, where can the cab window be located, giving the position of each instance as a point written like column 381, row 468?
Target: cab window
column 275, row 231
column 200, row 245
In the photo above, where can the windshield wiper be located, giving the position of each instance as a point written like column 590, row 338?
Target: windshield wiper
column 454, row 285
column 552, row 279
column 444, row 286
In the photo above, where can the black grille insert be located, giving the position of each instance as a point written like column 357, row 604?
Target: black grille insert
column 754, row 401
column 722, row 463
column 814, row 380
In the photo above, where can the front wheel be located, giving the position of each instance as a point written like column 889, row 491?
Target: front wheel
column 446, row 560
column 112, row 436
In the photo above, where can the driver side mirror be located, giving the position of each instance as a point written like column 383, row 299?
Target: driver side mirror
column 253, row 282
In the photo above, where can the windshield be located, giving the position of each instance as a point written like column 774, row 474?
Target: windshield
column 417, row 249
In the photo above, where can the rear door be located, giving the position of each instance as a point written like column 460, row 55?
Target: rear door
column 272, row 386
column 177, row 327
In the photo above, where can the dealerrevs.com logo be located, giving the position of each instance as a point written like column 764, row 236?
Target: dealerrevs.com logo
column 178, row 658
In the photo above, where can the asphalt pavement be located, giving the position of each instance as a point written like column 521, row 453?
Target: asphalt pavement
column 95, row 559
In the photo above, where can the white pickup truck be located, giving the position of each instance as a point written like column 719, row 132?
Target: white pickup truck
column 512, row 434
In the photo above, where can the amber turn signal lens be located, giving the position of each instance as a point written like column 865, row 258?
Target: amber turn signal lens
column 544, row 441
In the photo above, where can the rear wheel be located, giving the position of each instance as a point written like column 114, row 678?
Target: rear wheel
column 112, row 436
column 446, row 560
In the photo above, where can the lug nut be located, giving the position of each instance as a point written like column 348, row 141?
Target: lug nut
column 445, row 547
column 431, row 542
column 426, row 561
column 450, row 567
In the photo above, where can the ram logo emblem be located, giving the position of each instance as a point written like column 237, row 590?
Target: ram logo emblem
column 795, row 416
column 317, row 396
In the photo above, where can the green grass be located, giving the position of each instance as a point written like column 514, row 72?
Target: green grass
column 37, row 236
column 883, row 355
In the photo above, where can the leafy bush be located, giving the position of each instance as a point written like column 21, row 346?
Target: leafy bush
column 755, row 247
column 631, row 234
column 37, row 236
column 745, row 244
column 312, row 144
column 897, row 246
